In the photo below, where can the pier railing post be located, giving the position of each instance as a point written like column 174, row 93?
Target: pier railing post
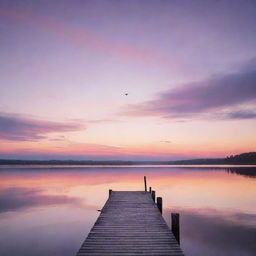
column 159, row 202
column 153, row 195
column 145, row 183
column 109, row 192
column 176, row 226
column 150, row 189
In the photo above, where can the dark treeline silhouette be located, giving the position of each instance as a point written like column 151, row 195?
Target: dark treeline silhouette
column 243, row 159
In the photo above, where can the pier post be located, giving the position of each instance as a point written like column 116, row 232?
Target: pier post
column 150, row 189
column 159, row 202
column 145, row 183
column 153, row 195
column 176, row 226
column 109, row 192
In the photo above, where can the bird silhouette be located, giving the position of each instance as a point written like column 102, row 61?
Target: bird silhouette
column 126, row 94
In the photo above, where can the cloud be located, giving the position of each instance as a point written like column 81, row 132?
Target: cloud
column 84, row 37
column 242, row 114
column 165, row 141
column 100, row 121
column 193, row 99
column 58, row 138
column 19, row 128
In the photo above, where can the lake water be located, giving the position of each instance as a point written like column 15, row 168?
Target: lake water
column 46, row 210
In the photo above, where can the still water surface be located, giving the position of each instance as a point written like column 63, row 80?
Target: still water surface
column 47, row 210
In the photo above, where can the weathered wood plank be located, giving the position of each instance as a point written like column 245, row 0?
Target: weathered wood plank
column 130, row 224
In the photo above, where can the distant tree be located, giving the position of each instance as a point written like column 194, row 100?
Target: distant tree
column 244, row 158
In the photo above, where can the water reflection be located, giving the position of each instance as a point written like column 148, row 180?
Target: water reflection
column 12, row 199
column 49, row 211
column 212, row 232
column 246, row 171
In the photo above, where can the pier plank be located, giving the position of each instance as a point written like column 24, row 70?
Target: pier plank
column 130, row 224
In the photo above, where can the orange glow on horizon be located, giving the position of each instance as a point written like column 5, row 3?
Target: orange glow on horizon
column 154, row 150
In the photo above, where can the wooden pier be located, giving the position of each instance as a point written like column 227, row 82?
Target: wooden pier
column 130, row 224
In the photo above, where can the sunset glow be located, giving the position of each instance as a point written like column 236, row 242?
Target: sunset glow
column 188, row 68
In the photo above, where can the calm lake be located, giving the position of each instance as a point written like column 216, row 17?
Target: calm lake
column 49, row 210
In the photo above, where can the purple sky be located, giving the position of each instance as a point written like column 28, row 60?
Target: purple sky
column 189, row 68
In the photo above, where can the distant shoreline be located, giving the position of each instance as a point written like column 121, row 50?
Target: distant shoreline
column 119, row 163
column 241, row 159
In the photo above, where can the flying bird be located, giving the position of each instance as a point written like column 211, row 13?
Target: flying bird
column 126, row 94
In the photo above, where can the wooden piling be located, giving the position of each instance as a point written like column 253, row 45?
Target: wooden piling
column 159, row 202
column 176, row 226
column 153, row 195
column 150, row 189
column 145, row 183
column 109, row 192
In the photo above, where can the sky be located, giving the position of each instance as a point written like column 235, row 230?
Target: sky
column 189, row 68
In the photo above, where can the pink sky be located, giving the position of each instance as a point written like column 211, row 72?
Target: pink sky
column 189, row 69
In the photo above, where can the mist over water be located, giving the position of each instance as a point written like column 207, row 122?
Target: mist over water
column 50, row 210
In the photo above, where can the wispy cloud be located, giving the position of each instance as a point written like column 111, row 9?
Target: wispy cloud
column 165, row 141
column 242, row 114
column 82, row 37
column 19, row 128
column 210, row 96
column 100, row 121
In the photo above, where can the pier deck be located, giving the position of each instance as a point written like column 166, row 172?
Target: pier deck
column 130, row 224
